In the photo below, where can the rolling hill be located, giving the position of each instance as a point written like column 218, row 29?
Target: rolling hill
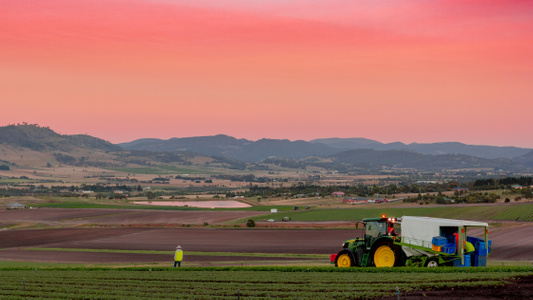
column 38, row 138
column 46, row 146
column 230, row 147
column 489, row 152
column 401, row 159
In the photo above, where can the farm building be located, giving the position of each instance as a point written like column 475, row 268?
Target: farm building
column 13, row 206
column 355, row 200
column 460, row 189
column 338, row 194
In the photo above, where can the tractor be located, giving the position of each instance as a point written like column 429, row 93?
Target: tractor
column 415, row 241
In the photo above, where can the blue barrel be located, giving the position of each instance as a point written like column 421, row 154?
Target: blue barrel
column 467, row 261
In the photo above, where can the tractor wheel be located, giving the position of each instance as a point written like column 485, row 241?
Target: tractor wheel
column 384, row 256
column 344, row 260
column 432, row 263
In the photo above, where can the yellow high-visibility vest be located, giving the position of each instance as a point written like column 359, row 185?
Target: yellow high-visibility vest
column 179, row 255
column 469, row 247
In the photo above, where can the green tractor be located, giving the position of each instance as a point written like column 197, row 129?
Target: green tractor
column 415, row 241
column 375, row 248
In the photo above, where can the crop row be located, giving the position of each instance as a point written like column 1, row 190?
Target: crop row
column 521, row 212
column 516, row 213
column 289, row 269
column 183, row 283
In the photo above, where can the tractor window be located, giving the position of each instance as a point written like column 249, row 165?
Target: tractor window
column 397, row 228
column 376, row 229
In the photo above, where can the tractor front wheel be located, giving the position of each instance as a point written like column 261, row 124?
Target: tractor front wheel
column 344, row 260
column 384, row 256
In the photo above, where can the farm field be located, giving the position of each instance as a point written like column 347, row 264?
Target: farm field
column 69, row 217
column 222, row 261
column 493, row 212
column 261, row 283
column 510, row 243
column 157, row 230
column 522, row 212
column 25, row 245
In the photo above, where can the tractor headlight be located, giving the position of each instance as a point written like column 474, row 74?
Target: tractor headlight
column 345, row 245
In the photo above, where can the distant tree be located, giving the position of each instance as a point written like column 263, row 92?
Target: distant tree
column 250, row 223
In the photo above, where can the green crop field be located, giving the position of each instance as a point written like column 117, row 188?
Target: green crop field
column 246, row 283
column 512, row 212
column 522, row 212
column 516, row 213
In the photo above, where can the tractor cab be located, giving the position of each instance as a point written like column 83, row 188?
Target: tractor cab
column 377, row 228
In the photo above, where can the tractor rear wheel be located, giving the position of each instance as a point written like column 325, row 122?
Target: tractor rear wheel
column 384, row 256
column 344, row 260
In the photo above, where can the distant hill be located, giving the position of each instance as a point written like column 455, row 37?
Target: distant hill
column 335, row 153
column 526, row 159
column 32, row 145
column 228, row 152
column 374, row 159
column 38, row 138
column 351, row 143
column 489, row 152
column 230, row 147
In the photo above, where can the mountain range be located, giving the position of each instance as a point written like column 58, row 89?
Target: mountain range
column 433, row 148
column 331, row 153
column 247, row 150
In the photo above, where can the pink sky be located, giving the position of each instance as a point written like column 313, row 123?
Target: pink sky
column 409, row 71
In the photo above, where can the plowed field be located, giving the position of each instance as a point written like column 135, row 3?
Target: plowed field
column 510, row 242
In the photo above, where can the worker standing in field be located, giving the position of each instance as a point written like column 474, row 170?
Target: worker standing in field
column 178, row 256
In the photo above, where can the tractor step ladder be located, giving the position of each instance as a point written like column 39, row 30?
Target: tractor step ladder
column 364, row 260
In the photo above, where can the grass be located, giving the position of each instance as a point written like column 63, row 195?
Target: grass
column 31, row 264
column 522, row 212
column 317, row 256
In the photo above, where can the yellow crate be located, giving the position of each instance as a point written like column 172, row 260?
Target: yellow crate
column 436, row 248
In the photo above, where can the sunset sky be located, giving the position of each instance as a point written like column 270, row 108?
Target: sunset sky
column 409, row 71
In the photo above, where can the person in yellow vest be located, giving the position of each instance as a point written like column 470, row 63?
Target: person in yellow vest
column 469, row 248
column 178, row 256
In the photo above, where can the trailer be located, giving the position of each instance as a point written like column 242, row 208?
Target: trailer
column 416, row 241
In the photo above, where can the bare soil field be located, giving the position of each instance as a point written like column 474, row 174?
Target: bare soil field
column 302, row 241
column 306, row 241
column 312, row 241
column 64, row 217
column 133, row 230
